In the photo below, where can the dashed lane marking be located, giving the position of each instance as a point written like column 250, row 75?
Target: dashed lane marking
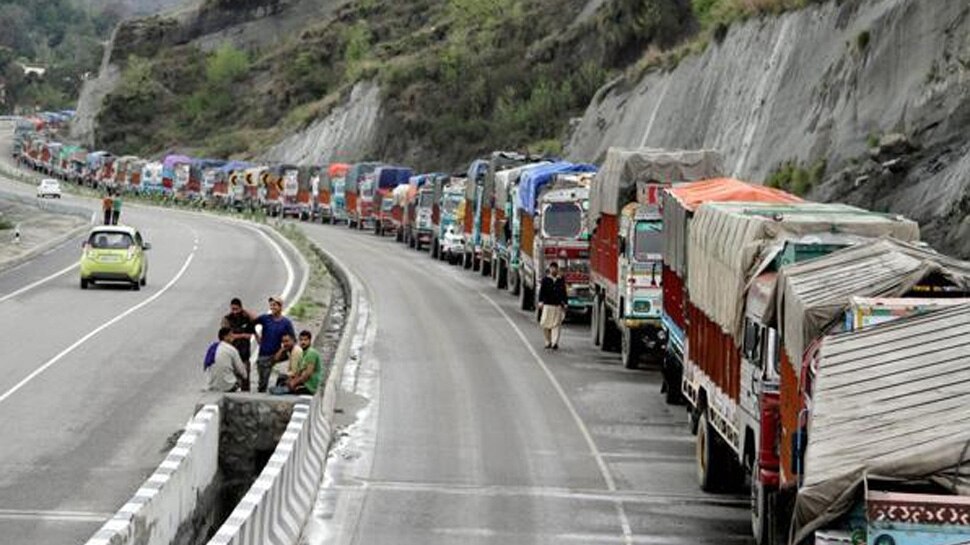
column 594, row 450
column 42, row 281
column 51, row 362
column 54, row 516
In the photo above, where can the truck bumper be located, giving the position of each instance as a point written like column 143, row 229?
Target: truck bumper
column 423, row 236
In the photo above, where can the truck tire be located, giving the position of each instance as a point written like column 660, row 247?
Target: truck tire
column 501, row 276
column 466, row 260
column 486, row 267
column 763, row 515
column 609, row 335
column 594, row 325
column 434, row 249
column 717, row 471
column 476, row 263
column 629, row 348
column 671, row 385
column 514, row 283
column 526, row 298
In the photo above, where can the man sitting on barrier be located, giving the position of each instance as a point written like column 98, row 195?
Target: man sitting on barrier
column 227, row 369
column 305, row 375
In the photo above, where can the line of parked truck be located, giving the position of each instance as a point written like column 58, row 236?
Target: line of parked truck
column 821, row 350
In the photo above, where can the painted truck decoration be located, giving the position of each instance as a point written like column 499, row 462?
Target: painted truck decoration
column 809, row 343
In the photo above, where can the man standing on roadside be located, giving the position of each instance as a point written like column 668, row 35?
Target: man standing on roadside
column 274, row 325
column 227, row 368
column 552, row 304
column 241, row 324
column 115, row 209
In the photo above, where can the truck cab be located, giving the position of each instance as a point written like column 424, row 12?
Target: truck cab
column 339, row 204
column 289, row 179
column 449, row 240
column 562, row 237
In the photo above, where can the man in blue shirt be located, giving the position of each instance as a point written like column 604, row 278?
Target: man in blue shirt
column 275, row 325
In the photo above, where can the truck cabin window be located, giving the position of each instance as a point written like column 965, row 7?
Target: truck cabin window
column 648, row 240
column 562, row 219
column 752, row 342
column 451, row 204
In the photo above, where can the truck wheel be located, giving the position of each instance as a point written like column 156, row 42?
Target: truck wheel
column 526, row 299
column 486, row 267
column 435, row 252
column 501, row 276
column 717, row 471
column 608, row 332
column 514, row 282
column 594, row 325
column 629, row 349
column 466, row 260
column 763, row 518
column 671, row 384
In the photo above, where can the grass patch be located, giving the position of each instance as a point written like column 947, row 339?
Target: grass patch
column 5, row 224
column 796, row 179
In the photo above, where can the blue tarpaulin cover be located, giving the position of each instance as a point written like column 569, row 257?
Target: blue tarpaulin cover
column 533, row 180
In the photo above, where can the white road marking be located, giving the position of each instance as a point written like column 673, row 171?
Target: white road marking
column 50, row 363
column 33, row 285
column 604, row 469
column 58, row 516
column 290, row 274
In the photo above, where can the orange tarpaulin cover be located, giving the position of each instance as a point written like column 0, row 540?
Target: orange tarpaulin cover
column 695, row 194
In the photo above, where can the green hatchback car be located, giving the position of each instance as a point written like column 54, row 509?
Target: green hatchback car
column 114, row 253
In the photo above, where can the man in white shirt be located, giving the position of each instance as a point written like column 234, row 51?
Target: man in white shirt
column 225, row 374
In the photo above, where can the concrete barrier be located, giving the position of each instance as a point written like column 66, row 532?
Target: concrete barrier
column 169, row 499
column 277, row 506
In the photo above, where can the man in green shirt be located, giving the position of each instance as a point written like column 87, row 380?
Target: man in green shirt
column 308, row 375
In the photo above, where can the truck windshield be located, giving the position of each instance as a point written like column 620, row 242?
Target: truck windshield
column 562, row 219
column 338, row 186
column 648, row 241
column 451, row 204
column 424, row 199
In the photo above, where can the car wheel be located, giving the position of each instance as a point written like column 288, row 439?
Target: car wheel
column 144, row 280
column 136, row 285
column 84, row 284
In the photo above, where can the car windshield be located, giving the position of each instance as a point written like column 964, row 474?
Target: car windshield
column 562, row 219
column 648, row 242
column 110, row 241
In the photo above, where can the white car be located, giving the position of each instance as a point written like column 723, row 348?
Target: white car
column 49, row 188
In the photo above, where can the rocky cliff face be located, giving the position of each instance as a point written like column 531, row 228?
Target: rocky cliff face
column 347, row 134
column 822, row 84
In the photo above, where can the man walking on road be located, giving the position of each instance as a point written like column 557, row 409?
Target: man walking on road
column 107, row 206
column 274, row 325
column 227, row 369
column 552, row 304
column 243, row 329
column 115, row 209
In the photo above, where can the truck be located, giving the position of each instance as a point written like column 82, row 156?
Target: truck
column 503, row 261
column 152, row 181
column 679, row 205
column 287, row 180
column 626, row 241
column 330, row 204
column 851, row 289
column 355, row 175
column 400, row 197
column 551, row 208
column 447, row 242
column 736, row 252
column 419, row 213
column 270, row 195
column 479, row 203
column 885, row 435
column 374, row 205
column 176, row 173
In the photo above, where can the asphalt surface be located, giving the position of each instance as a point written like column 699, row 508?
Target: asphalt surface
column 94, row 383
column 467, row 431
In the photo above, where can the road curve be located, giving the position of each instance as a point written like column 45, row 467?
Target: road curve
column 95, row 382
column 474, row 434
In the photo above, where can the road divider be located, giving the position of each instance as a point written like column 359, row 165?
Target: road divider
column 277, row 506
column 48, row 206
column 173, row 504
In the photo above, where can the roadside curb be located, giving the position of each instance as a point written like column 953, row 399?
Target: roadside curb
column 48, row 245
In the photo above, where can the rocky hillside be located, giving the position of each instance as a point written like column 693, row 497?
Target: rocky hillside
column 865, row 102
column 430, row 82
column 856, row 100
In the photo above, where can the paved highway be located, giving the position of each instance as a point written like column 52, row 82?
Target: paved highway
column 471, row 433
column 95, row 382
